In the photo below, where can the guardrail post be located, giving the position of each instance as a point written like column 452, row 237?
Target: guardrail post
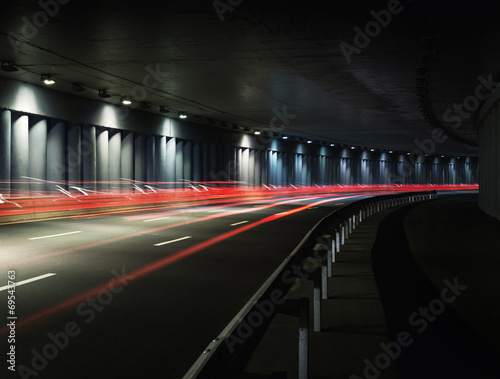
column 314, row 267
column 337, row 239
column 325, row 262
column 330, row 255
column 303, row 338
column 317, row 299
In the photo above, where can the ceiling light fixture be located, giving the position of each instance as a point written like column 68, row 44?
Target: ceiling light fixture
column 47, row 79
column 285, row 137
column 352, row 147
column 332, row 144
column 182, row 115
column 372, row 149
column 309, row 141
column 9, row 67
column 126, row 101
column 257, row 132
column 102, row 93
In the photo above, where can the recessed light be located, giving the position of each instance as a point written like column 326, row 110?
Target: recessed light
column 126, row 101
column 9, row 67
column 353, row 147
column 332, row 144
column 309, row 141
column 182, row 115
column 47, row 79
column 285, row 137
column 257, row 132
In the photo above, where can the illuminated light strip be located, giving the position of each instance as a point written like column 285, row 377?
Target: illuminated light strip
column 157, row 229
column 172, row 241
column 54, row 235
column 219, row 207
column 155, row 219
column 29, row 280
column 238, row 223
column 148, row 269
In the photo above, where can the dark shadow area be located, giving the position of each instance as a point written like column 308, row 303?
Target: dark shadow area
column 440, row 345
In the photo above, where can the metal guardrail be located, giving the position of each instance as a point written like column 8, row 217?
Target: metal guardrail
column 227, row 355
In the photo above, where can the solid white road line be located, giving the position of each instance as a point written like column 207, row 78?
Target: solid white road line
column 54, row 235
column 155, row 219
column 172, row 241
column 28, row 280
column 238, row 223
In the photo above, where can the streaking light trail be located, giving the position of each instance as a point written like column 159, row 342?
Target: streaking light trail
column 150, row 268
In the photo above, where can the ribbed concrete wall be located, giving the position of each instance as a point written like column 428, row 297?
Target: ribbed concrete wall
column 39, row 153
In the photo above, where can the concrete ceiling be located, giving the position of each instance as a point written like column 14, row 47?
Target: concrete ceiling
column 271, row 58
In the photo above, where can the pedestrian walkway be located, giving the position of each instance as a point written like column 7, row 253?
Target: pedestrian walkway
column 414, row 294
column 353, row 321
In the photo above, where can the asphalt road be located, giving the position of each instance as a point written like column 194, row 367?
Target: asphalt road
column 139, row 295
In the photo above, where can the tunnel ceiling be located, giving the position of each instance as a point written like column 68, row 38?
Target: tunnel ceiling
column 254, row 63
